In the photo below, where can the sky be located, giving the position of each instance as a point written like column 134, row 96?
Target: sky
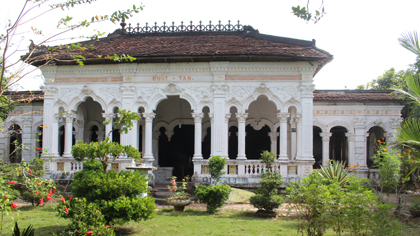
column 362, row 35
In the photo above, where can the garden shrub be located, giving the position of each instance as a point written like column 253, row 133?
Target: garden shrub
column 214, row 196
column 117, row 195
column 324, row 203
column 266, row 197
column 84, row 216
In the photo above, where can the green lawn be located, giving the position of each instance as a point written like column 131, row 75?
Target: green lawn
column 169, row 222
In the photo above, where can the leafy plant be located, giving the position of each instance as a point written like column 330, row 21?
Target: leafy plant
column 415, row 205
column 180, row 191
column 213, row 196
column 216, row 166
column 29, row 231
column 266, row 198
column 336, row 171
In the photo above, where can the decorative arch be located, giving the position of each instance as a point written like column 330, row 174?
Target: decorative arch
column 60, row 104
column 293, row 103
column 113, row 104
column 320, row 125
column 233, row 103
column 92, row 123
column 260, row 124
column 12, row 121
column 379, row 123
column 138, row 105
column 205, row 104
column 160, row 124
column 345, row 124
column 262, row 90
column 85, row 95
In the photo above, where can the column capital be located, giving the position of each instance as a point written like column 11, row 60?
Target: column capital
column 69, row 117
column 108, row 116
column 211, row 116
column 149, row 116
column 198, row 116
column 283, row 116
column 351, row 136
column 241, row 117
column 325, row 136
column 227, row 117
column 273, row 135
column 298, row 117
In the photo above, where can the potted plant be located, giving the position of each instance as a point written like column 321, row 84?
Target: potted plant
column 415, row 207
column 179, row 197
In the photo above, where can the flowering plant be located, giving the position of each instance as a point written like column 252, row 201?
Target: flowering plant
column 180, row 191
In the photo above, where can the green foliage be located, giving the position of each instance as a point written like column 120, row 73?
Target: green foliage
column 305, row 14
column 266, row 198
column 335, row 171
column 415, row 204
column 107, row 151
column 388, row 163
column 84, row 217
column 324, row 203
column 216, row 165
column 214, row 196
column 117, row 195
column 30, row 231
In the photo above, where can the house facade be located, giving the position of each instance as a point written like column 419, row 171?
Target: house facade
column 201, row 91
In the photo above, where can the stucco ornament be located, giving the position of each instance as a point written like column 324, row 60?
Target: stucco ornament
column 173, row 88
column 86, row 90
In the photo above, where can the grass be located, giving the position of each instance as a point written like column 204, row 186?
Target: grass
column 169, row 222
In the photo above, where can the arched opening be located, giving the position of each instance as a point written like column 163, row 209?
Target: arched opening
column 338, row 144
column 317, row 147
column 206, row 134
column 263, row 114
column 61, row 141
column 15, row 144
column 233, row 134
column 375, row 133
column 116, row 136
column 140, row 133
column 178, row 148
column 38, row 145
column 94, row 133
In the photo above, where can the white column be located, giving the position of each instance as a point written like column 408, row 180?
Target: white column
column 55, row 138
column 273, row 138
column 283, row 135
column 350, row 140
column 197, row 135
column 134, row 134
column 49, row 134
column 26, row 138
column 325, row 147
column 307, row 120
column 155, row 146
column 68, row 135
column 108, row 127
column 148, row 154
column 241, row 135
column 360, row 150
column 299, row 140
column 212, row 150
column 226, row 131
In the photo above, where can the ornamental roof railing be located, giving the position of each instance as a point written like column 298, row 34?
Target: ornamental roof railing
column 182, row 28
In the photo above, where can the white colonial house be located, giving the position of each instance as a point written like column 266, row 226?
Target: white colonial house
column 202, row 90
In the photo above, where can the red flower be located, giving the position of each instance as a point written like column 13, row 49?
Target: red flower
column 41, row 201
column 89, row 233
column 39, row 149
column 11, row 182
column 14, row 206
column 63, row 200
column 99, row 212
column 36, row 192
column 66, row 210
column 30, row 171
column 70, row 198
column 38, row 184
column 6, row 197
column 54, row 191
column 50, row 193
column 108, row 226
column 48, row 197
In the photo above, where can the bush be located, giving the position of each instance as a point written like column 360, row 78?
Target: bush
column 213, row 196
column 216, row 165
column 84, row 217
column 266, row 198
column 117, row 195
column 323, row 203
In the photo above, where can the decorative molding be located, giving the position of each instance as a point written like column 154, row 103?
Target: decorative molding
column 325, row 136
column 173, row 88
column 307, row 89
column 197, row 117
column 87, row 90
column 283, row 116
column 241, row 116
column 262, row 88
column 219, row 89
column 149, row 117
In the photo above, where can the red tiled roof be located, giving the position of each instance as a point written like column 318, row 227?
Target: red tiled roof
column 355, row 95
column 25, row 96
column 202, row 46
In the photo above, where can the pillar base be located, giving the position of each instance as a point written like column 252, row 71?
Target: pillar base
column 198, row 157
column 241, row 157
column 283, row 158
column 67, row 155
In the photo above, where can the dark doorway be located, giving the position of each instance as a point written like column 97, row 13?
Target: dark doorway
column 256, row 142
column 207, row 144
column 94, row 134
column 140, row 145
column 15, row 144
column 338, row 144
column 233, row 142
column 317, row 147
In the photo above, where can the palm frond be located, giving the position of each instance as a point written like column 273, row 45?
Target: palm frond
column 335, row 171
column 413, row 82
column 410, row 41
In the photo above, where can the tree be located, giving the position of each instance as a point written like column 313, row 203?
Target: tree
column 12, row 70
column 306, row 14
column 107, row 151
column 388, row 80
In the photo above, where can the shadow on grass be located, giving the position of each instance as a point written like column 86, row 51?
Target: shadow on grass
column 47, row 208
column 49, row 230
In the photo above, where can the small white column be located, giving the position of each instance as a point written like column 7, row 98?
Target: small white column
column 350, row 140
column 273, row 138
column 68, row 135
column 325, row 147
column 283, row 135
column 55, row 137
column 108, row 127
column 299, row 140
column 198, row 117
column 226, row 131
column 148, row 152
column 155, row 145
column 241, row 135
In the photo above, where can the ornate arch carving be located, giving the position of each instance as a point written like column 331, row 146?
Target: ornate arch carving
column 321, row 125
column 345, row 124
